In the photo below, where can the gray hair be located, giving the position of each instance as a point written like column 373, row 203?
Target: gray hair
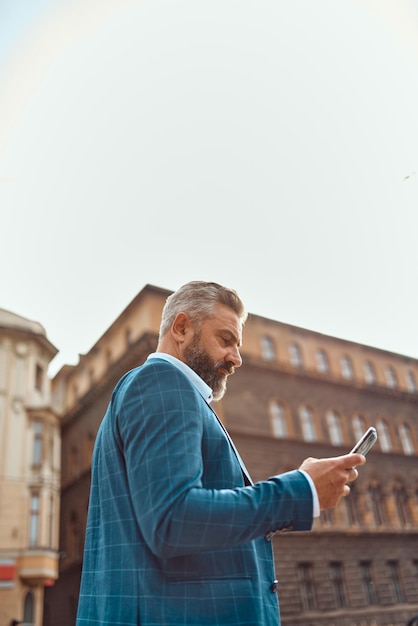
column 198, row 299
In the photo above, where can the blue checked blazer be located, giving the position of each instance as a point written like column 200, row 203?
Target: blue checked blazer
column 175, row 536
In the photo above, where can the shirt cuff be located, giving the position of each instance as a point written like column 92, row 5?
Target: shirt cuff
column 315, row 500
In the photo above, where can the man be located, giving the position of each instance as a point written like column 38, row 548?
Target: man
column 177, row 533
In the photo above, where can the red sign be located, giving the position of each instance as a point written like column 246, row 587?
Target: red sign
column 7, row 570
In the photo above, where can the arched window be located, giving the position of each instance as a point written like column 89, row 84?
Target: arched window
column 29, row 609
column 402, row 505
column 278, row 419
column 74, row 543
column 359, row 426
column 38, row 437
column 39, row 377
column 74, row 462
column 51, row 519
column 75, row 392
column 322, row 363
column 377, row 505
column 268, row 350
column 411, row 382
column 88, row 450
column 34, row 520
column 51, row 448
column 391, row 379
column 295, row 354
column 334, row 428
column 351, row 505
column 384, row 436
column 308, row 423
column 346, row 367
column 369, row 373
column 406, row 439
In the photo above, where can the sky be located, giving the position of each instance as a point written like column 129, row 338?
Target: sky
column 270, row 145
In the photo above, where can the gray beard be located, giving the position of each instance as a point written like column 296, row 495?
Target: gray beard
column 208, row 370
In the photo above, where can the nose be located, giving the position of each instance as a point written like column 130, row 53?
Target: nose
column 236, row 358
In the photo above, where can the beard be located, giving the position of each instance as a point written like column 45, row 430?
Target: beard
column 209, row 370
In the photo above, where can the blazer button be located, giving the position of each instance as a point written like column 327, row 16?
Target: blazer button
column 275, row 586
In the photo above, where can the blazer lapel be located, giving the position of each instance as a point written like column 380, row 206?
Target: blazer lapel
column 247, row 477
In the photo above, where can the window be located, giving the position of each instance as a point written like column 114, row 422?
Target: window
column 338, row 584
column 369, row 589
column 39, row 377
column 34, row 520
column 351, row 505
column 402, row 505
column 411, row 382
column 89, row 445
column 308, row 424
column 51, row 518
column 384, row 436
column 391, row 379
column 322, row 364
column 346, row 367
column 74, row 462
column 51, row 449
column 327, row 517
column 278, row 419
column 37, row 443
column 75, row 392
column 29, row 609
column 406, row 439
column 307, row 586
column 369, row 373
column 334, row 428
column 359, row 426
column 295, row 354
column 268, row 350
column 393, row 571
column 377, row 505
column 75, row 544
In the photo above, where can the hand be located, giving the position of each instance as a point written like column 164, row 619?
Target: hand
column 331, row 476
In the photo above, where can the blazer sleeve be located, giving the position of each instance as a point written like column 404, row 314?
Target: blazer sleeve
column 159, row 422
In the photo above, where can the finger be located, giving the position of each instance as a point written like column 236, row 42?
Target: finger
column 361, row 459
column 353, row 460
column 346, row 490
column 352, row 474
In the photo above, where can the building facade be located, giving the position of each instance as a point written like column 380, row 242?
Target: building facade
column 298, row 393
column 30, row 480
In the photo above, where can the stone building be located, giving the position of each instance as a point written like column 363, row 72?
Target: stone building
column 29, row 471
column 298, row 393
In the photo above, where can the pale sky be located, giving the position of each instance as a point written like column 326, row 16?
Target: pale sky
column 269, row 145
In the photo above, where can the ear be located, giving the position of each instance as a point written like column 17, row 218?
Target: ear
column 181, row 326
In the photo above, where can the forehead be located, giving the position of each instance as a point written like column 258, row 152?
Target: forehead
column 224, row 318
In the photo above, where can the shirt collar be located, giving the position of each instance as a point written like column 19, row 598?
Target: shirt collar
column 204, row 389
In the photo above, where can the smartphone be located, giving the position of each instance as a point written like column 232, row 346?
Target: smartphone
column 365, row 442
